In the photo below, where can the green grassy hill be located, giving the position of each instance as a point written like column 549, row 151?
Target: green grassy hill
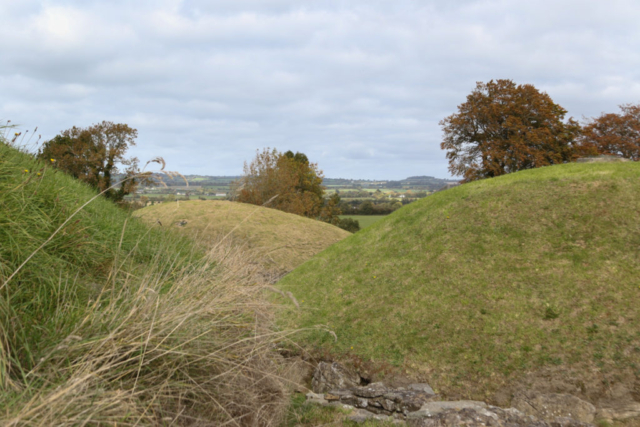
column 478, row 286
column 105, row 320
column 279, row 240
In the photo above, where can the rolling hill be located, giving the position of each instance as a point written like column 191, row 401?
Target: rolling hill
column 278, row 240
column 529, row 275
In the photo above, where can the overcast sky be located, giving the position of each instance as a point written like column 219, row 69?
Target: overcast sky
column 359, row 86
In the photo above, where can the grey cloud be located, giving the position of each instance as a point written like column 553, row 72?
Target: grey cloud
column 358, row 86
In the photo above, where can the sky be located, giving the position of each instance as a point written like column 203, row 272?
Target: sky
column 359, row 86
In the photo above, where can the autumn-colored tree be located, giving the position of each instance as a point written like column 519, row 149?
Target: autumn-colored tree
column 617, row 134
column 286, row 181
column 94, row 155
column 503, row 128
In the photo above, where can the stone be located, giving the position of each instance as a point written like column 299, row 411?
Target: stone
column 356, row 401
column 434, row 408
column 371, row 390
column 620, row 411
column 553, row 405
column 478, row 414
column 421, row 387
column 409, row 400
column 360, row 416
column 316, row 398
column 333, row 376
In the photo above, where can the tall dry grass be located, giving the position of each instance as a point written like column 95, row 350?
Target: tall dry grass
column 112, row 322
column 200, row 352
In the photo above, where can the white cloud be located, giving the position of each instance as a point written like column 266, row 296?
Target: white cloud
column 360, row 86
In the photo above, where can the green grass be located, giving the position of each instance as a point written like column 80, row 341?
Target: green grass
column 478, row 285
column 114, row 322
column 364, row 220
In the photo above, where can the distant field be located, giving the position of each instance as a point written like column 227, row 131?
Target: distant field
column 364, row 220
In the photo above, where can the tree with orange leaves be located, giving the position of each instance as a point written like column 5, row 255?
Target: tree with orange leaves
column 288, row 182
column 94, row 155
column 617, row 134
column 503, row 128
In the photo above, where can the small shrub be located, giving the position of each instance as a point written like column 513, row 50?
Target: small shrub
column 349, row 224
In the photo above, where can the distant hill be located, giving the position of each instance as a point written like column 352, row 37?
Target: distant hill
column 278, row 240
column 428, row 183
column 529, row 275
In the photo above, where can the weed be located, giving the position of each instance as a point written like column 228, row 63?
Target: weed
column 550, row 313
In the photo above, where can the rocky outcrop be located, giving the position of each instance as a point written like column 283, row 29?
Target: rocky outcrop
column 378, row 399
column 472, row 414
column 333, row 376
column 417, row 404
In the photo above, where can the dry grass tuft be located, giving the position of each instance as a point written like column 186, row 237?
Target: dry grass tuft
column 197, row 347
column 112, row 322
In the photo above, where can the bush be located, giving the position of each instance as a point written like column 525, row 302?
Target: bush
column 349, row 224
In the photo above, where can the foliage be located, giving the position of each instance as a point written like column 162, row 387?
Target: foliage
column 482, row 283
column 616, row 134
column 331, row 209
column 349, row 224
column 364, row 221
column 288, row 182
column 93, row 155
column 372, row 207
column 503, row 128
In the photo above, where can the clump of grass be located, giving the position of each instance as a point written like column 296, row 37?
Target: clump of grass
column 115, row 322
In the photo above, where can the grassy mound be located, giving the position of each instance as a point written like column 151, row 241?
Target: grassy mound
column 478, row 285
column 278, row 240
column 107, row 321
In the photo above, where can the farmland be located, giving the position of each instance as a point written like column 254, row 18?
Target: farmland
column 353, row 192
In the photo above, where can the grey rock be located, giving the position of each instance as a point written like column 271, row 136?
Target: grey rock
column 371, row 390
column 408, row 400
column 333, row 376
column 316, row 398
column 361, row 416
column 620, row 411
column 551, row 406
column 471, row 414
column 421, row 387
column 434, row 408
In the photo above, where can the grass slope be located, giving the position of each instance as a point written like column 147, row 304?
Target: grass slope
column 280, row 240
column 113, row 322
column 479, row 284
